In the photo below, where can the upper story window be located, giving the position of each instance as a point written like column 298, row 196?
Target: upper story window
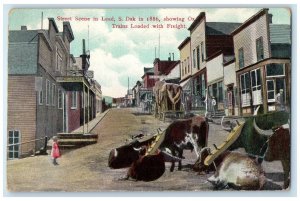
column 74, row 100
column 198, row 57
column 202, row 51
column 185, row 66
column 259, row 49
column 53, row 94
column 194, row 58
column 241, row 57
column 48, row 90
column 59, row 60
column 188, row 63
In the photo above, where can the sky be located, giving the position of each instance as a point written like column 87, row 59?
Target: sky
column 119, row 53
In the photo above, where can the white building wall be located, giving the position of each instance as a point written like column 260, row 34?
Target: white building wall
column 198, row 36
column 214, row 69
column 229, row 74
column 246, row 39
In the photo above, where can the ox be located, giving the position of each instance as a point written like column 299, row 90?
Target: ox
column 180, row 132
column 123, row 156
column 279, row 148
column 238, row 171
column 254, row 139
column 167, row 97
column 147, row 167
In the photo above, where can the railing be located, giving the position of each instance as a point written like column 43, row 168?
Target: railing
column 75, row 72
column 42, row 151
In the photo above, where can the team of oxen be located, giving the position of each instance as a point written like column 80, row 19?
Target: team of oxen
column 145, row 156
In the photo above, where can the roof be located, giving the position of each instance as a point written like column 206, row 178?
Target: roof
column 184, row 43
column 220, row 28
column 250, row 20
column 280, row 33
column 23, row 36
column 197, row 21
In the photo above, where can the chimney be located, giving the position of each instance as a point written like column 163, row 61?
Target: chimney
column 169, row 58
column 83, row 46
column 270, row 18
column 173, row 55
column 24, row 28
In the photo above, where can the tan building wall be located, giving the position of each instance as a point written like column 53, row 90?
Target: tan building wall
column 198, row 36
column 246, row 39
column 185, row 61
column 21, row 114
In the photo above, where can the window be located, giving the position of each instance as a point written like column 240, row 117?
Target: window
column 74, row 100
column 273, row 70
column 259, row 49
column 245, row 89
column 58, row 60
column 13, row 138
column 194, row 58
column 202, row 81
column 53, row 94
column 202, row 51
column 188, row 60
column 41, row 100
column 198, row 58
column 256, row 87
column 220, row 91
column 60, row 99
column 271, row 90
column 241, row 58
column 185, row 66
column 48, row 86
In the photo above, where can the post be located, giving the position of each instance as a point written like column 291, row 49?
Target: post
column 45, row 145
column 87, row 126
column 83, row 89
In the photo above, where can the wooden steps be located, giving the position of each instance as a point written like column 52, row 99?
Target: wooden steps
column 75, row 140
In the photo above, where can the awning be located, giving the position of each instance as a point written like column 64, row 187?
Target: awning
column 186, row 85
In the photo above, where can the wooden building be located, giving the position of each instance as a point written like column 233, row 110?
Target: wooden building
column 207, row 38
column 262, row 59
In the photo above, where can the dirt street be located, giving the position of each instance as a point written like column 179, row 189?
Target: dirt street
column 86, row 169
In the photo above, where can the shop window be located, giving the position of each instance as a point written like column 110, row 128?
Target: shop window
column 256, row 87
column 245, row 89
column 273, row 70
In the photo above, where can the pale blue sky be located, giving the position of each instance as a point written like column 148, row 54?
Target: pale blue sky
column 119, row 53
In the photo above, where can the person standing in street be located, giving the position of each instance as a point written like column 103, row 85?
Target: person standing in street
column 55, row 153
column 213, row 104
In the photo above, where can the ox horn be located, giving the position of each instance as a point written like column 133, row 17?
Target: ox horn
column 169, row 157
column 260, row 131
column 223, row 127
column 137, row 149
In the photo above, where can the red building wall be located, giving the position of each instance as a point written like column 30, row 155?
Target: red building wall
column 148, row 81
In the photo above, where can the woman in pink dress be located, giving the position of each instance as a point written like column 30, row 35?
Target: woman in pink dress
column 55, row 150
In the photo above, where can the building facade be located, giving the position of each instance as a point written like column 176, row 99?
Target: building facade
column 262, row 60
column 42, row 97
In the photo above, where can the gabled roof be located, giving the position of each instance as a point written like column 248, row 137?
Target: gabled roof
column 221, row 28
column 251, row 20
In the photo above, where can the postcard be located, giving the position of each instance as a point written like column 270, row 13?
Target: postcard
column 149, row 99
